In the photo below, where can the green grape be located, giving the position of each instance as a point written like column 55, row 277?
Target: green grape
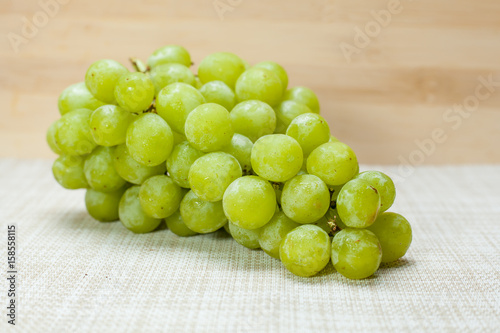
column 304, row 96
column 102, row 77
column 197, row 83
column 168, row 54
column 245, row 237
column 356, row 254
column 333, row 139
column 305, row 250
column 51, row 137
column 178, row 138
column 276, row 157
column 99, row 170
column 241, row 148
column 260, row 84
column 131, row 170
column 334, row 162
column 358, row 204
column 271, row 234
column 334, row 190
column 175, row 102
column 324, row 224
column 208, row 127
column 131, row 214
column 108, row 125
column 180, row 161
column 253, row 119
column 77, row 96
column 384, row 185
column 310, row 130
column 103, row 206
column 163, row 75
column 305, row 199
column 212, row 173
column 149, row 139
column 221, row 66
column 68, row 171
column 394, row 233
column 249, row 202
column 287, row 111
column 160, row 197
column 202, row 216
column 278, row 190
column 73, row 135
column 218, row 92
column 226, row 228
column 135, row 92
column 276, row 69
column 176, row 224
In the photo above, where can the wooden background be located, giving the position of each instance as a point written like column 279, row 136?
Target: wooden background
column 394, row 91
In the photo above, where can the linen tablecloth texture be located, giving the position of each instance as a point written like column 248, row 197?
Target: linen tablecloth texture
column 79, row 275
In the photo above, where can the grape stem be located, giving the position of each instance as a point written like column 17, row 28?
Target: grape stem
column 139, row 66
column 334, row 228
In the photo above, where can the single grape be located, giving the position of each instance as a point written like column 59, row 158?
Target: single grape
column 334, row 162
column 310, row 130
column 149, row 139
column 304, row 96
column 276, row 157
column 102, row 77
column 165, row 74
column 160, row 197
column 218, row 92
column 176, row 224
column 211, row 174
column 260, row 84
column 287, row 111
column 68, row 171
column 103, row 206
column 305, row 250
column 131, row 170
column 168, row 54
column 394, row 233
column 253, row 119
column 51, row 137
column 108, row 125
column 178, row 138
column 276, row 69
column 221, row 66
column 77, row 96
column 99, row 170
column 72, row 135
column 356, row 254
column 208, row 127
column 358, row 204
column 305, row 199
column 132, row 215
column 334, row 191
column 241, row 148
column 180, row 161
column 384, row 185
column 202, row 216
column 249, row 202
column 271, row 234
column 134, row 92
column 245, row 237
column 197, row 83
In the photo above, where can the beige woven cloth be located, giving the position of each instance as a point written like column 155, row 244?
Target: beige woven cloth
column 79, row 275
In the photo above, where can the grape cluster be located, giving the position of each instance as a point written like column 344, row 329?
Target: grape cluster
column 231, row 147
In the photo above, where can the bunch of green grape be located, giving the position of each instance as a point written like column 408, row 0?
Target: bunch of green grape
column 231, row 147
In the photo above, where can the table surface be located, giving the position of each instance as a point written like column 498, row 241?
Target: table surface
column 79, row 275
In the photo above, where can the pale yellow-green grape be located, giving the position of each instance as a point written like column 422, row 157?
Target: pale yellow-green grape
column 149, row 139
column 175, row 102
column 131, row 170
column 131, row 214
column 249, row 202
column 165, row 74
column 358, row 204
column 356, row 253
column 287, row 111
column 100, row 172
column 202, row 216
column 197, row 83
column 333, row 139
column 176, row 224
column 394, row 233
column 226, row 228
column 180, row 161
column 134, row 92
column 220, row 93
column 245, row 237
column 77, row 96
column 68, row 171
column 208, row 127
column 51, row 137
column 383, row 184
column 178, row 138
column 310, row 130
column 221, row 66
column 271, row 234
column 276, row 157
column 72, row 135
column 323, row 224
column 260, row 84
column 168, row 54
column 241, row 148
column 108, row 125
column 102, row 77
column 103, row 206
column 276, row 69
column 334, row 192
column 304, row 96
column 160, row 197
column 211, row 174
column 253, row 119
column 305, row 250
column 334, row 162
column 305, row 199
